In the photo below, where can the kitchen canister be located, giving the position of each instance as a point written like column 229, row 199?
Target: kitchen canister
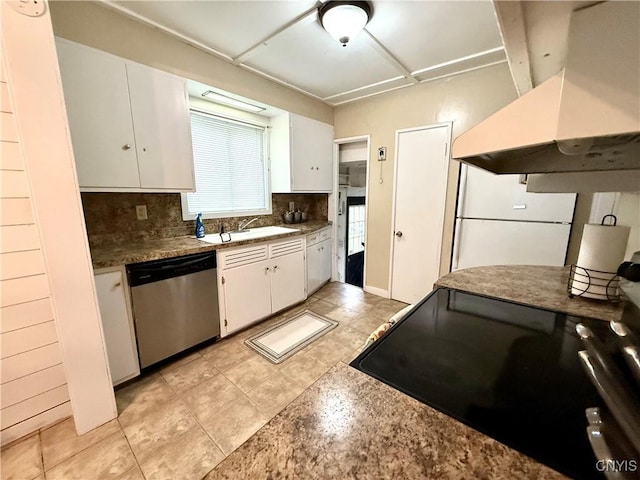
column 601, row 252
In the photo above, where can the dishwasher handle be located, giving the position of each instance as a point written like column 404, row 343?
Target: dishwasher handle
column 157, row 270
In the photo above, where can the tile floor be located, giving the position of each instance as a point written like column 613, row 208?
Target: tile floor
column 180, row 421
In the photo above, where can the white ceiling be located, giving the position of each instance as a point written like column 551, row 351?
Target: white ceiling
column 405, row 43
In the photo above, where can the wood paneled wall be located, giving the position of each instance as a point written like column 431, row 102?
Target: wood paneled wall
column 33, row 390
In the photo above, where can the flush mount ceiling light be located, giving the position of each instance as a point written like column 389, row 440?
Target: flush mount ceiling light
column 232, row 102
column 344, row 20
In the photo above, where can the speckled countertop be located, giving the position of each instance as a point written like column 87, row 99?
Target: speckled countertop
column 349, row 425
column 154, row 249
column 540, row 286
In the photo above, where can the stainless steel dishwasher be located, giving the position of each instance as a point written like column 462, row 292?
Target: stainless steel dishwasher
column 175, row 304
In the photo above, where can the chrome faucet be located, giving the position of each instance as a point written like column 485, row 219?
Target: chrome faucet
column 245, row 223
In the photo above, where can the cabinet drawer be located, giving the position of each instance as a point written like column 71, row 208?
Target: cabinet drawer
column 325, row 234
column 284, row 248
column 243, row 256
column 313, row 238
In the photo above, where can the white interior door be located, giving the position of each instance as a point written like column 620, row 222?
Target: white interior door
column 422, row 162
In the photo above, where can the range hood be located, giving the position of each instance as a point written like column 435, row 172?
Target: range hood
column 585, row 119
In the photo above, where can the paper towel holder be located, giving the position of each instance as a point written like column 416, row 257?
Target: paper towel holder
column 582, row 279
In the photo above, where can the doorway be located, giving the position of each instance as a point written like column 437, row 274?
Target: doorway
column 351, row 210
column 354, row 267
column 421, row 171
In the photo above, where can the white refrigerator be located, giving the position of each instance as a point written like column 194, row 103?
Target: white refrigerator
column 499, row 223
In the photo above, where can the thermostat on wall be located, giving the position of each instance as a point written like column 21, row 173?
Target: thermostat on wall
column 382, row 154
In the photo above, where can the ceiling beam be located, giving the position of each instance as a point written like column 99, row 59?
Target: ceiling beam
column 511, row 23
column 309, row 14
column 389, row 57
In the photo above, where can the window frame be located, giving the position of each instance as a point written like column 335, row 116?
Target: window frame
column 187, row 215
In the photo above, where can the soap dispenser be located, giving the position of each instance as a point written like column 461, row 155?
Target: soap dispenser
column 199, row 226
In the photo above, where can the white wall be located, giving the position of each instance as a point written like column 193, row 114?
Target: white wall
column 33, row 388
column 464, row 100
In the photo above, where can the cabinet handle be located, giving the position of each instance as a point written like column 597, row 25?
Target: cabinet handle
column 117, row 284
column 275, row 267
column 126, row 146
column 266, row 269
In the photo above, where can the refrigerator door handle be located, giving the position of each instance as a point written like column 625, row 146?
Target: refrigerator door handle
column 462, row 189
column 456, row 245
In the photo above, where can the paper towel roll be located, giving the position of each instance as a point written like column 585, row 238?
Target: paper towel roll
column 601, row 250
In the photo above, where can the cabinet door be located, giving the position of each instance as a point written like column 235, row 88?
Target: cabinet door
column 118, row 331
column 287, row 280
column 325, row 260
column 247, row 295
column 314, row 268
column 162, row 128
column 97, row 99
column 311, row 154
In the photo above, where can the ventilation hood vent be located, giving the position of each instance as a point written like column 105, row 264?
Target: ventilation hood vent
column 585, row 119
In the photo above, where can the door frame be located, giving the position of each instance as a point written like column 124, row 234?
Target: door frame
column 448, row 125
column 333, row 203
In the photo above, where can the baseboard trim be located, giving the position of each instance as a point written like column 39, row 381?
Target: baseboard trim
column 377, row 291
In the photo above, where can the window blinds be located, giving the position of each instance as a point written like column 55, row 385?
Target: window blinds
column 229, row 166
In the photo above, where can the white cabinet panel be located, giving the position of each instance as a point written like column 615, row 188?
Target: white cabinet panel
column 117, row 326
column 129, row 123
column 287, row 281
column 247, row 295
column 318, row 265
column 311, row 154
column 97, row 98
column 301, row 154
column 259, row 280
column 160, row 112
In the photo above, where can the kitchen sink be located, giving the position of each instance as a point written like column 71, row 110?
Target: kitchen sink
column 248, row 234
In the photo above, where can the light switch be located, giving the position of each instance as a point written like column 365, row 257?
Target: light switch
column 141, row 212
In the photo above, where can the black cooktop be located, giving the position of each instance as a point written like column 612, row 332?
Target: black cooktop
column 508, row 370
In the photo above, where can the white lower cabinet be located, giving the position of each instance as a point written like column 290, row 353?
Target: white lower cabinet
column 247, row 296
column 318, row 259
column 287, row 280
column 256, row 281
column 117, row 324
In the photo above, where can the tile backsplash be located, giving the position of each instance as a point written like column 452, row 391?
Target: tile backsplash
column 111, row 217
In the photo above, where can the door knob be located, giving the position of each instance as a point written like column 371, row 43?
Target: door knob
column 398, row 234
column 126, row 147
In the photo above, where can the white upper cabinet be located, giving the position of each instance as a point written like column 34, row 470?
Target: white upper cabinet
column 301, row 154
column 99, row 113
column 129, row 123
column 160, row 112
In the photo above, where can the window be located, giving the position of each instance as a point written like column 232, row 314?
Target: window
column 355, row 238
column 230, row 166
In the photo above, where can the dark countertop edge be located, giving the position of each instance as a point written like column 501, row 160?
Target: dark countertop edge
column 156, row 251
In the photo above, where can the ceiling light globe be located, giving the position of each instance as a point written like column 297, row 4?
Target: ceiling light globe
column 344, row 22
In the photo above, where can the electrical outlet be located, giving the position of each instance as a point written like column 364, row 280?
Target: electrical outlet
column 292, row 206
column 141, row 212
